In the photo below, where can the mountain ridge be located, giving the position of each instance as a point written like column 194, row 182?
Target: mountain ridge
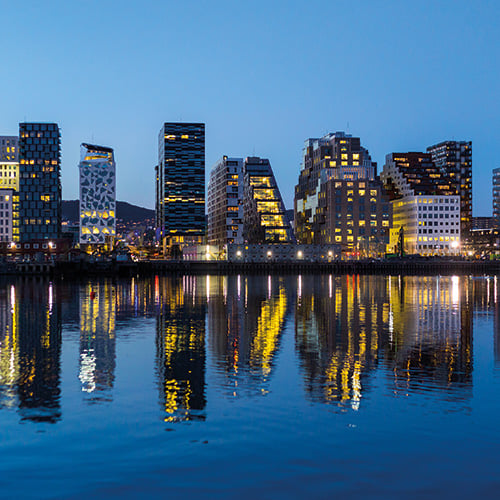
column 125, row 212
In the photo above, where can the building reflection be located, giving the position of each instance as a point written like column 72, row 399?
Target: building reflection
column 431, row 331
column 484, row 295
column 30, row 349
column 418, row 329
column 9, row 346
column 246, row 315
column 97, row 339
column 180, row 347
column 341, row 328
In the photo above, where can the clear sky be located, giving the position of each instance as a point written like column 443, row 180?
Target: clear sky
column 262, row 75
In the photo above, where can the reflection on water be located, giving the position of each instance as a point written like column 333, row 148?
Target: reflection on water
column 245, row 320
column 30, row 349
column 350, row 333
column 432, row 334
column 97, row 340
column 180, row 348
column 341, row 334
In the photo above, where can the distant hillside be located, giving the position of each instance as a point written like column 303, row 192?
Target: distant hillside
column 125, row 211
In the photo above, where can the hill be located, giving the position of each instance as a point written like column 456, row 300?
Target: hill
column 125, row 212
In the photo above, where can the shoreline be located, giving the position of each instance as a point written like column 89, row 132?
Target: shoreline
column 166, row 267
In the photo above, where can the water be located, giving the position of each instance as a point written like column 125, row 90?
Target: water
column 251, row 387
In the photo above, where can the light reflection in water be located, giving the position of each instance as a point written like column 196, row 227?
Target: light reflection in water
column 417, row 330
column 98, row 305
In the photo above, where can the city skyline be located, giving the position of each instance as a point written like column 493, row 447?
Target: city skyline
column 295, row 77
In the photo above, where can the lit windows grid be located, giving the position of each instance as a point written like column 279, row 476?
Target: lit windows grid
column 39, row 180
column 182, row 178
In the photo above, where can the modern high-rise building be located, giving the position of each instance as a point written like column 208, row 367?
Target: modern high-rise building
column 265, row 220
column 225, row 202
column 334, row 156
column 9, row 187
column 39, row 181
column 414, row 173
column 454, row 158
column 181, row 183
column 496, row 196
column 9, row 148
column 425, row 205
column 97, row 194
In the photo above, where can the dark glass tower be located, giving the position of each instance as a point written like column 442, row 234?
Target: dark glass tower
column 181, row 183
column 454, row 158
column 39, row 181
column 496, row 196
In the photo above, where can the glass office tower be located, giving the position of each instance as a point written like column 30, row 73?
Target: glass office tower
column 181, row 183
column 39, row 181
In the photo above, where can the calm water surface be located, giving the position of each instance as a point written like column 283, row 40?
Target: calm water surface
column 251, row 387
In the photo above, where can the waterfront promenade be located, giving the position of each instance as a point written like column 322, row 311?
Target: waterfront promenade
column 168, row 267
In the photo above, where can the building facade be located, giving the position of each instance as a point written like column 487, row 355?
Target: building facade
column 225, row 202
column 430, row 225
column 181, row 183
column 9, row 148
column 454, row 158
column 265, row 220
column 9, row 187
column 482, row 222
column 97, row 194
column 355, row 214
column 425, row 205
column 496, row 196
column 336, row 155
column 414, row 173
column 271, row 252
column 39, row 182
column 6, row 216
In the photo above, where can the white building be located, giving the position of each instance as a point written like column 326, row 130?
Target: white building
column 6, row 197
column 431, row 224
column 97, row 194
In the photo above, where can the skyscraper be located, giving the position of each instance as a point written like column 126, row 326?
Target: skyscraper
column 39, row 181
column 9, row 187
column 496, row 196
column 454, row 158
column 181, row 183
column 225, row 202
column 338, row 156
column 97, row 194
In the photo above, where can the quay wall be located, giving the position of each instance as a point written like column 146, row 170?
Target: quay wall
column 165, row 267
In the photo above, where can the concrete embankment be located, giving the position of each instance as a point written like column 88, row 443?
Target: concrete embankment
column 165, row 267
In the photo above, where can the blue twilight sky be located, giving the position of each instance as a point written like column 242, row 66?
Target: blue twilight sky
column 262, row 75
